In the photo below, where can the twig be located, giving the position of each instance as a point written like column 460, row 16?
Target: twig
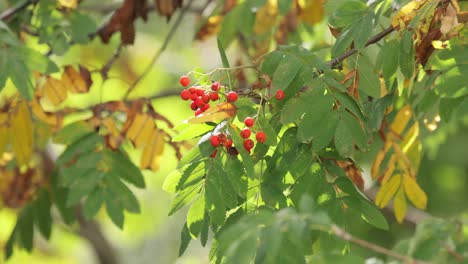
column 161, row 49
column 337, row 231
column 334, row 62
column 13, row 10
column 110, row 62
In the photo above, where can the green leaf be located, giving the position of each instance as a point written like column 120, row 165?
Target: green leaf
column 124, row 168
column 192, row 131
column 264, row 125
column 348, row 13
column 184, row 177
column 83, row 185
column 368, row 76
column 235, row 176
column 284, row 74
column 362, row 30
column 239, row 19
column 122, row 194
column 214, row 200
column 407, row 59
column 246, row 158
column 26, row 228
column 81, row 26
column 184, row 197
column 93, row 203
column 270, row 62
column 114, row 209
column 360, row 136
column 20, row 75
column 343, row 140
column 222, row 54
column 42, row 217
column 84, row 144
column 390, row 54
column 35, row 60
column 196, row 215
column 72, row 132
column 372, row 215
column 185, row 239
column 342, row 43
column 318, row 127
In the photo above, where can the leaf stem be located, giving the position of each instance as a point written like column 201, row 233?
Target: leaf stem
column 161, row 49
column 13, row 10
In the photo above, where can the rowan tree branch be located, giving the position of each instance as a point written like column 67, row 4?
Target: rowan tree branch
column 161, row 49
column 15, row 9
column 334, row 62
column 106, row 68
column 337, row 231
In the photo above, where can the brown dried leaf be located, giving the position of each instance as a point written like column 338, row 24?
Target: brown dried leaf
column 216, row 113
column 122, row 21
column 353, row 172
column 228, row 5
column 74, row 81
column 167, row 7
column 210, row 28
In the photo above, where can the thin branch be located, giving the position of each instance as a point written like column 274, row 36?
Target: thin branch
column 13, row 10
column 337, row 231
column 161, row 49
column 334, row 62
column 105, row 70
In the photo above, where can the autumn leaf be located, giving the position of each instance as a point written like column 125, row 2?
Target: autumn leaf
column 310, row 11
column 167, row 7
column 3, row 131
column 21, row 133
column 387, row 191
column 141, row 129
column 353, row 172
column 399, row 205
column 414, row 192
column 407, row 13
column 210, row 28
column 74, row 81
column 216, row 113
column 153, row 150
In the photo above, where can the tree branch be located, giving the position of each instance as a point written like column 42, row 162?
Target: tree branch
column 334, row 62
column 337, row 231
column 13, row 10
column 106, row 68
column 161, row 49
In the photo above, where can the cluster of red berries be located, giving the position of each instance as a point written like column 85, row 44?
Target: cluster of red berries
column 222, row 140
column 200, row 97
column 245, row 133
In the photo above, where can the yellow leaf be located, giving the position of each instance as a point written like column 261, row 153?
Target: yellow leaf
column 265, row 18
column 310, row 11
column 70, row 4
column 387, row 191
column 216, row 113
column 210, row 28
column 3, row 132
column 73, row 80
column 399, row 205
column 145, row 133
column 137, row 125
column 407, row 13
column 113, row 131
column 414, row 192
column 54, row 91
column 21, row 133
column 401, row 120
column 153, row 149
column 379, row 158
column 390, row 168
column 38, row 111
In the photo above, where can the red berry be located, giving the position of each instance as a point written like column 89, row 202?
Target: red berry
column 245, row 133
column 185, row 95
column 193, row 96
column 214, row 96
column 222, row 137
column 198, row 112
column 279, row 95
column 205, row 98
column 193, row 90
column 228, row 143
column 232, row 97
column 214, row 140
column 199, row 103
column 215, row 86
column 249, row 144
column 213, row 155
column 249, row 121
column 193, row 106
column 184, row 81
column 200, row 92
column 205, row 107
column 261, row 137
